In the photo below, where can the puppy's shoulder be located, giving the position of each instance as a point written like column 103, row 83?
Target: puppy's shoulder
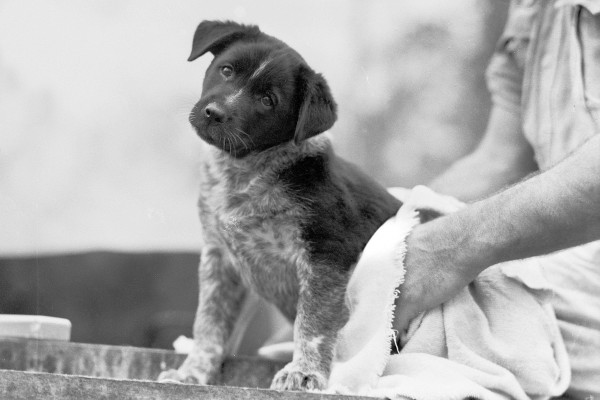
column 344, row 205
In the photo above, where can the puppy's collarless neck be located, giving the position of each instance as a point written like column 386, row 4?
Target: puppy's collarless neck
column 272, row 159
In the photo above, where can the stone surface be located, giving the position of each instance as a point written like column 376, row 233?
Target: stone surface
column 45, row 369
column 18, row 385
column 121, row 362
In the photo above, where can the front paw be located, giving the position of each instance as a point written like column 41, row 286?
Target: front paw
column 183, row 375
column 294, row 378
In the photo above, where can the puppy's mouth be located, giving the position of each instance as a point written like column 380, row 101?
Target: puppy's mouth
column 225, row 136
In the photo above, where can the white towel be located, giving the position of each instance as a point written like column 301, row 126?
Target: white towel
column 497, row 339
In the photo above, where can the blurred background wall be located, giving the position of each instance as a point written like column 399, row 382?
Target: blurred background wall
column 98, row 166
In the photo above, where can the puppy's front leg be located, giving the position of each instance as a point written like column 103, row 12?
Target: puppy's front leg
column 221, row 296
column 321, row 314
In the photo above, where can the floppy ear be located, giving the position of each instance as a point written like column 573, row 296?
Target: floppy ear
column 215, row 36
column 318, row 110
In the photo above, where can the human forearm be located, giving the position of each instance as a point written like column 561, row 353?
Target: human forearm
column 474, row 177
column 550, row 211
column 502, row 158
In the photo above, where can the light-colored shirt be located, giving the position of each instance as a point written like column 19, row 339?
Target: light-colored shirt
column 546, row 69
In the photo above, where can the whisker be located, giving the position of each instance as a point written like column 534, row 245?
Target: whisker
column 239, row 138
column 227, row 143
column 182, row 113
column 232, row 147
column 245, row 134
column 184, row 106
column 236, row 137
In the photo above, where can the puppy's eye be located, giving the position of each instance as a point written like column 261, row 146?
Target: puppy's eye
column 226, row 71
column 267, row 101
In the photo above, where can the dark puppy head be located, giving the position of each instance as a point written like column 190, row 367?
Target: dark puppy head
column 257, row 92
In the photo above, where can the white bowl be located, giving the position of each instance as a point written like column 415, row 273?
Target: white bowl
column 35, row 327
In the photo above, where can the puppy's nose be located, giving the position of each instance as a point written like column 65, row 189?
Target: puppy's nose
column 214, row 113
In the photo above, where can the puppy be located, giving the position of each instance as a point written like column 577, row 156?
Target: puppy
column 281, row 214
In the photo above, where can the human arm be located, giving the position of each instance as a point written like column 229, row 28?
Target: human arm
column 503, row 157
column 550, row 211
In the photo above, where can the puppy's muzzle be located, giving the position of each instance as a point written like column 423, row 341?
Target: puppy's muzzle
column 214, row 114
column 210, row 121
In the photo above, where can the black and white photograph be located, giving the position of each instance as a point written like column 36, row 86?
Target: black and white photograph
column 300, row 200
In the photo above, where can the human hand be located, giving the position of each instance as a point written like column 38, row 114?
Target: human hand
column 431, row 277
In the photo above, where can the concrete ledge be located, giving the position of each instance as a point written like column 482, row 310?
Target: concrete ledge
column 122, row 362
column 46, row 369
column 18, row 385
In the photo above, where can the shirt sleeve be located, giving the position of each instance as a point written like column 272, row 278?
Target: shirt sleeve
column 504, row 80
column 505, row 72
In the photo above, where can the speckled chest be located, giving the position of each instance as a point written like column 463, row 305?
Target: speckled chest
column 248, row 215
